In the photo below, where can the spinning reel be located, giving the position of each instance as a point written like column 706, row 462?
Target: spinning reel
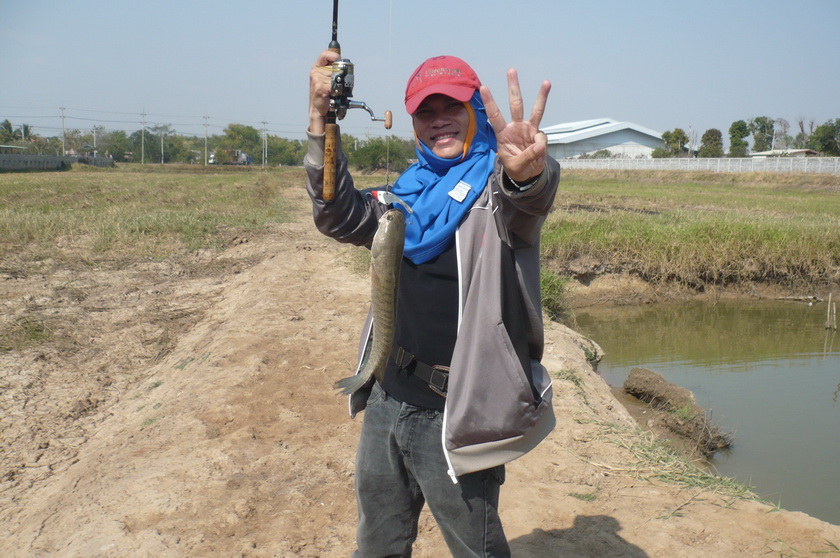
column 341, row 89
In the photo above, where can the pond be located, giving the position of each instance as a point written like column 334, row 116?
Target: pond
column 768, row 372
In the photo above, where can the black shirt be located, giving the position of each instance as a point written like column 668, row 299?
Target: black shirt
column 427, row 325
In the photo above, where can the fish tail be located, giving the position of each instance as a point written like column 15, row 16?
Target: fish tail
column 351, row 384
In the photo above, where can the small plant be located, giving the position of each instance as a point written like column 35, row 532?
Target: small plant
column 833, row 548
column 591, row 353
column 685, row 413
column 572, row 377
column 555, row 295
column 584, row 497
column 23, row 333
column 182, row 365
column 576, row 380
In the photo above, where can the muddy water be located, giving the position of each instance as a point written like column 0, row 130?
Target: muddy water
column 769, row 373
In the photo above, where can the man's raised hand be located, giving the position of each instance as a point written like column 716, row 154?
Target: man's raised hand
column 522, row 148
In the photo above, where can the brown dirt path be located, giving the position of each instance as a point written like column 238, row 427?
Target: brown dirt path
column 192, row 415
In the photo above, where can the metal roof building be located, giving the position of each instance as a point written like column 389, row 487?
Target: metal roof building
column 625, row 139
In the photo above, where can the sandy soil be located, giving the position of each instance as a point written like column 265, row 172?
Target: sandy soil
column 186, row 410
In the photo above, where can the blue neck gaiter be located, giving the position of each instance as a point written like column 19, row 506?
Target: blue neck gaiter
column 442, row 191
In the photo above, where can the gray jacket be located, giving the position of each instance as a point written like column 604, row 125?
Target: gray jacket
column 498, row 405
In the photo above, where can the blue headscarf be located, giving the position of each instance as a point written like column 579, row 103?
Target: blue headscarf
column 442, row 191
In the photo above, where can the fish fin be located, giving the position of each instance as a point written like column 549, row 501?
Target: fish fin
column 351, row 384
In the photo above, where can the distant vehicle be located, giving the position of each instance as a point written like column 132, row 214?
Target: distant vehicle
column 244, row 159
column 230, row 157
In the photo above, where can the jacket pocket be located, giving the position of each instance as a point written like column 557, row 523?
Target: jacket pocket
column 500, row 403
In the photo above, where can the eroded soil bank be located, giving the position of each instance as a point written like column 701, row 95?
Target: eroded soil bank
column 185, row 409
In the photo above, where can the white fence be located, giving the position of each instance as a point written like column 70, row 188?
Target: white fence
column 826, row 165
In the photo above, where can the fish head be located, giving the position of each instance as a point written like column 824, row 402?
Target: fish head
column 392, row 217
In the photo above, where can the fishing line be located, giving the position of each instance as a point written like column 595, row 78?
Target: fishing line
column 388, row 64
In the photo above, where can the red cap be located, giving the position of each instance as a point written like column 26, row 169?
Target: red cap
column 442, row 74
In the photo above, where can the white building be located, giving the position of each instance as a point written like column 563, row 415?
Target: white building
column 623, row 139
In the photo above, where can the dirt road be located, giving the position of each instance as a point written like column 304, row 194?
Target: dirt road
column 188, row 412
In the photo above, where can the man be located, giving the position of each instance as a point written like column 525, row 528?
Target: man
column 464, row 391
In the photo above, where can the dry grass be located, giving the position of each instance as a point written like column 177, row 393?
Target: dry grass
column 95, row 215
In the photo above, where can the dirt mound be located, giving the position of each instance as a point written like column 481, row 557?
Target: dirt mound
column 177, row 413
column 676, row 412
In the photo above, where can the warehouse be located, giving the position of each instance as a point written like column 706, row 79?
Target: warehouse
column 621, row 139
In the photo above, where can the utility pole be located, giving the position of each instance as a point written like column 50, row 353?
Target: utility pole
column 143, row 138
column 63, row 144
column 265, row 144
column 205, row 140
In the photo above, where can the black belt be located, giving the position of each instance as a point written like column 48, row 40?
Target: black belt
column 436, row 376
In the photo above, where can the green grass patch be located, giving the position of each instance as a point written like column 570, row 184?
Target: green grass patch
column 698, row 230
column 584, row 496
column 22, row 333
column 555, row 295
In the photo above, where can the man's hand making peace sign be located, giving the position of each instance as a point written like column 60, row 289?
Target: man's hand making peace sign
column 522, row 148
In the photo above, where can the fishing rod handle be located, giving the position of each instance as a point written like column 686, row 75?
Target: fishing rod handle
column 330, row 143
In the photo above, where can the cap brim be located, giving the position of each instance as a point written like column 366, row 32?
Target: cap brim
column 458, row 92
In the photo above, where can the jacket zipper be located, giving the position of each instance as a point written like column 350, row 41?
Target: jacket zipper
column 450, row 469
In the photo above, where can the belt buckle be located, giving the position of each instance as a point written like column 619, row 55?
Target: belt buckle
column 439, row 380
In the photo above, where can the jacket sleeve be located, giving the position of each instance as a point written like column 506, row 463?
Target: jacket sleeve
column 523, row 211
column 352, row 216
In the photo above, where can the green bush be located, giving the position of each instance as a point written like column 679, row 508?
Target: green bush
column 555, row 295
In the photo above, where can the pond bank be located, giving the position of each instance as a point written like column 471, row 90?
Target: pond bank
column 621, row 289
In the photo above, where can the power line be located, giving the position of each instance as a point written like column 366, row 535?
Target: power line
column 189, row 126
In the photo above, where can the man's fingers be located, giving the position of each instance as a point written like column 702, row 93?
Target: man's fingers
column 517, row 111
column 539, row 105
column 527, row 163
column 494, row 115
column 327, row 57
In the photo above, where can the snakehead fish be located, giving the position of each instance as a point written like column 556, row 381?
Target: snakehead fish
column 386, row 253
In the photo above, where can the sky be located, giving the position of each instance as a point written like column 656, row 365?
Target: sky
column 657, row 64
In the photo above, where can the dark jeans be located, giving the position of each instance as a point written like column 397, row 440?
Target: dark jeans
column 400, row 466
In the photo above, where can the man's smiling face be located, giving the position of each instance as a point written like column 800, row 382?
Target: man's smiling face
column 441, row 123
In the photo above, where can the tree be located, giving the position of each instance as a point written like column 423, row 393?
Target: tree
column 374, row 154
column 8, row 133
column 674, row 142
column 117, row 144
column 781, row 137
column 711, row 143
column 802, row 138
column 242, row 137
column 737, row 132
column 761, row 128
column 286, row 152
column 826, row 138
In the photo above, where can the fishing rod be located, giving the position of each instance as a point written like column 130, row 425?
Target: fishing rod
column 341, row 89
